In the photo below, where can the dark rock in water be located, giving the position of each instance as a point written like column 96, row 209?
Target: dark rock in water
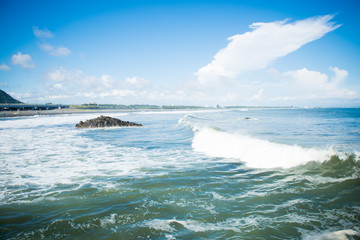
column 105, row 121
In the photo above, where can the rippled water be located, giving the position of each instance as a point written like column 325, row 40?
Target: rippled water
column 227, row 174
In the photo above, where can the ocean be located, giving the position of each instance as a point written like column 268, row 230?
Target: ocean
column 208, row 174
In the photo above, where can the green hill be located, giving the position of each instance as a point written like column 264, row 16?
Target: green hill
column 6, row 98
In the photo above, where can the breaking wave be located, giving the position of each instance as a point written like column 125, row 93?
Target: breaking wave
column 255, row 153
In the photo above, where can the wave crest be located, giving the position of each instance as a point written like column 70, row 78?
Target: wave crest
column 255, row 153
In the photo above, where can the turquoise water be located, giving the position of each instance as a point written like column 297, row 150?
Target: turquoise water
column 222, row 174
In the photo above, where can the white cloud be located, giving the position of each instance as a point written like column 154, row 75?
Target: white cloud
column 4, row 67
column 58, row 86
column 60, row 51
column 55, row 51
column 266, row 42
column 45, row 33
column 78, row 80
column 313, row 84
column 107, row 81
column 80, row 85
column 46, row 47
column 61, row 74
column 258, row 95
column 87, row 95
column 339, row 77
column 55, row 97
column 118, row 93
column 21, row 96
column 23, row 60
column 310, row 80
column 296, row 87
column 286, row 98
column 136, row 82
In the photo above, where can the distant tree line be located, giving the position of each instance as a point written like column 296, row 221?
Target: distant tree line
column 133, row 106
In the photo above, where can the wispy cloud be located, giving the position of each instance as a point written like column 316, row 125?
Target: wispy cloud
column 55, row 51
column 4, row 67
column 24, row 60
column 266, row 42
column 42, row 33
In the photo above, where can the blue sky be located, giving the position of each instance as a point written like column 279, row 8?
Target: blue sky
column 245, row 52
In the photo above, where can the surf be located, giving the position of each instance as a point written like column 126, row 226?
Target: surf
column 254, row 152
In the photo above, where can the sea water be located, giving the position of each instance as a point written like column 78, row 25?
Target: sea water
column 219, row 174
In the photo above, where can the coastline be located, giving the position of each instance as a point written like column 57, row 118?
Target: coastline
column 30, row 113
column 10, row 114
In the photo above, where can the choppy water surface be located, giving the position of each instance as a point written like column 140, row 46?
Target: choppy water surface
column 227, row 174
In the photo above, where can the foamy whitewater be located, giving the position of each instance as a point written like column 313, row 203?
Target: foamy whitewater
column 219, row 174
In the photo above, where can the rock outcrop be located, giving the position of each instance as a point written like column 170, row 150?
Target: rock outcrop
column 105, row 121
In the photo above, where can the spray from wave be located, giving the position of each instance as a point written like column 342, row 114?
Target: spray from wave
column 255, row 153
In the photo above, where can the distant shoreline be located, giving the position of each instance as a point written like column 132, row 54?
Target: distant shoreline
column 29, row 113
column 11, row 114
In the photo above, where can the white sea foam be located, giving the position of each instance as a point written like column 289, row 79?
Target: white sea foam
column 327, row 235
column 231, row 224
column 242, row 224
column 160, row 224
column 108, row 220
column 51, row 120
column 36, row 161
column 255, row 153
